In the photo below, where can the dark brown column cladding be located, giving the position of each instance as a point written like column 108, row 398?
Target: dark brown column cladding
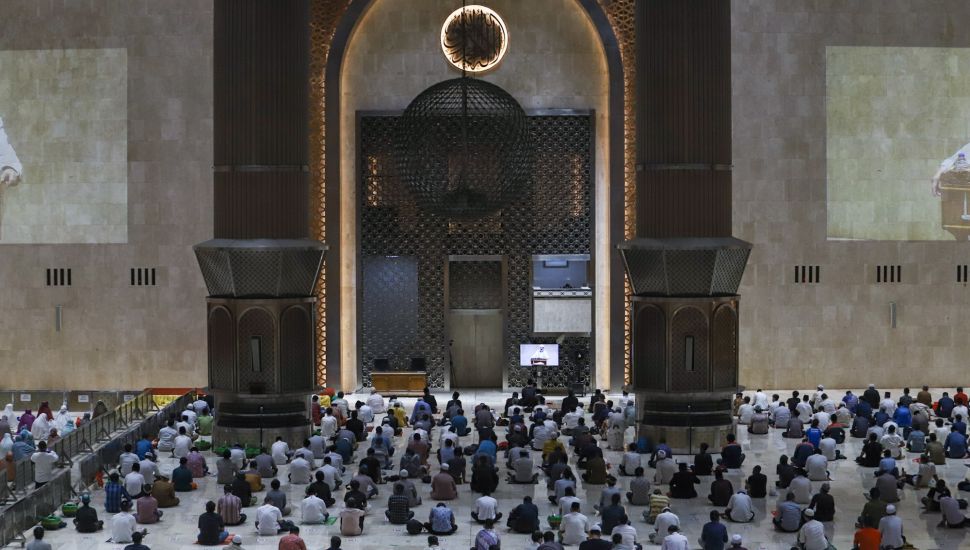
column 260, row 122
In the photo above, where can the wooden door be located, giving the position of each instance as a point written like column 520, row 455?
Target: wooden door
column 476, row 349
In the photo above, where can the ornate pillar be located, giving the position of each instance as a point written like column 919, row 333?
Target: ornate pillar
column 684, row 266
column 260, row 269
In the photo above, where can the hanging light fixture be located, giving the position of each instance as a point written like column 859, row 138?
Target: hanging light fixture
column 463, row 144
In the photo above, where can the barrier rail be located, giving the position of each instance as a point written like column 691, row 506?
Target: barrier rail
column 79, row 445
column 26, row 511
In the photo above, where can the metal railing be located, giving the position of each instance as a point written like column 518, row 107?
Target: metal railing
column 26, row 511
column 80, row 445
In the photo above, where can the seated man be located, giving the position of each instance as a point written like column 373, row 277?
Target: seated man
column 86, row 520
column 164, row 492
column 211, row 527
column 351, row 522
column 441, row 520
column 486, row 508
column 182, row 477
column 789, row 515
column 398, row 507
column 956, row 444
column 524, row 518
column 242, row 489
column 147, row 507
column 313, row 509
column 229, row 507
column 123, row 525
column 639, row 493
column 731, row 455
column 443, row 485
column 740, row 509
column 721, row 490
column 523, row 469
column 682, row 483
column 278, row 498
column 269, row 520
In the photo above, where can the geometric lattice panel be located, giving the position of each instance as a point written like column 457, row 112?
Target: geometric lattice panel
column 553, row 215
column 475, row 285
column 389, row 310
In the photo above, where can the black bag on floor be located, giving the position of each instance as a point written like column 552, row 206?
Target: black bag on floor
column 414, row 527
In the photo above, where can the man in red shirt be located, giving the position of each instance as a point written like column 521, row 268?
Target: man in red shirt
column 867, row 538
column 292, row 540
column 960, row 398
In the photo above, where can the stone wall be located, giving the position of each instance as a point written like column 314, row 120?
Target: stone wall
column 836, row 332
column 115, row 335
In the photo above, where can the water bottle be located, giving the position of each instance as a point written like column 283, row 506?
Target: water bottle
column 961, row 165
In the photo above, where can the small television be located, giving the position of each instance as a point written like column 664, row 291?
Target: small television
column 381, row 364
column 419, row 364
column 539, row 355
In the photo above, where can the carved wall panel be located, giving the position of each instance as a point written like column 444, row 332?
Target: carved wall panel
column 687, row 375
column 553, row 216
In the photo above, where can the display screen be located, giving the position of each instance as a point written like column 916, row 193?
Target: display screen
column 64, row 146
column 546, row 355
column 897, row 120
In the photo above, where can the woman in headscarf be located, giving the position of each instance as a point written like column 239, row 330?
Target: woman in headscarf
column 62, row 419
column 68, row 428
column 26, row 421
column 4, row 425
column 8, row 414
column 41, row 429
column 6, row 444
column 99, row 409
column 45, row 409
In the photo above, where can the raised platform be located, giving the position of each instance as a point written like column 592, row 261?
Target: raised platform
column 402, row 383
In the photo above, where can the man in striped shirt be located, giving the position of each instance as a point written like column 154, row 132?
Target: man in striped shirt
column 230, row 508
column 658, row 501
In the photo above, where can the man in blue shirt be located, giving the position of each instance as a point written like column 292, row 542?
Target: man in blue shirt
column 850, row 400
column 714, row 534
column 114, row 493
column 959, row 425
column 488, row 447
column 420, row 408
column 460, row 423
column 956, row 444
column 789, row 517
column 143, row 446
column 814, row 434
column 441, row 520
column 944, row 406
column 903, row 417
column 887, row 464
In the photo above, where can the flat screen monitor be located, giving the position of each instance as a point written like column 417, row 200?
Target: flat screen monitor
column 382, row 365
column 419, row 364
column 546, row 355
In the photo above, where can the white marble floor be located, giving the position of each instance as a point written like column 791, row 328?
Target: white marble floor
column 178, row 530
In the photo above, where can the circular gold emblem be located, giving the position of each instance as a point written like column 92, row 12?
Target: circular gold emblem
column 474, row 38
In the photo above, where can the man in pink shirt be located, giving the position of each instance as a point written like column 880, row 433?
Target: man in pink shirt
column 146, row 507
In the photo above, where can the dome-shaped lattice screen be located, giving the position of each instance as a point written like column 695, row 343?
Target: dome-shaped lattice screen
column 463, row 148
